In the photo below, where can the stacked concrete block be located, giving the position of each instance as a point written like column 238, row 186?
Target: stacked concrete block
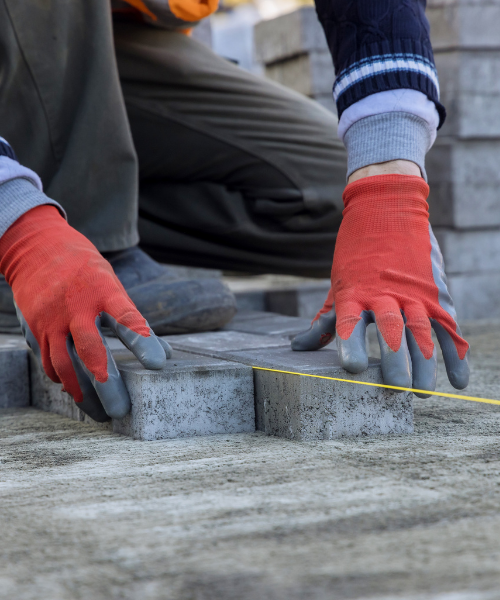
column 293, row 51
column 14, row 372
column 193, row 395
column 303, row 301
column 310, row 408
column 285, row 295
column 300, row 407
column 49, row 396
column 464, row 164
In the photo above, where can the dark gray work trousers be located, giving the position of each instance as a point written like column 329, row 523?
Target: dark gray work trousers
column 137, row 130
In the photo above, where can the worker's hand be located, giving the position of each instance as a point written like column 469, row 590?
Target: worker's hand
column 64, row 292
column 388, row 269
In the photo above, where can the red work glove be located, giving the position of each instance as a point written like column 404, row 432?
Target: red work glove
column 64, row 291
column 388, row 269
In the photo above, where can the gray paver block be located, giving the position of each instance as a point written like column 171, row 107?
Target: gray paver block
column 476, row 295
column 470, row 90
column 193, row 395
column 218, row 344
column 48, row 396
column 14, row 372
column 251, row 300
column 311, row 74
column 464, row 179
column 307, row 408
column 303, row 299
column 265, row 323
column 288, row 35
column 202, row 395
column 470, row 251
column 464, row 24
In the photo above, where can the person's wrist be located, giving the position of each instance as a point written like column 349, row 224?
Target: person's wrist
column 391, row 138
column 391, row 167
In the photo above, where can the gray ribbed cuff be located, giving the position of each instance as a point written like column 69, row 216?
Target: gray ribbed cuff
column 387, row 136
column 17, row 196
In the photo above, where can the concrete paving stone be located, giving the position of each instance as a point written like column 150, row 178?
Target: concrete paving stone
column 266, row 323
column 464, row 179
column 193, row 395
column 217, row 344
column 252, row 300
column 288, row 35
column 475, row 251
column 476, row 296
column 48, row 396
column 464, row 24
column 307, row 408
column 14, row 372
column 470, row 89
column 302, row 299
column 219, row 392
column 311, row 74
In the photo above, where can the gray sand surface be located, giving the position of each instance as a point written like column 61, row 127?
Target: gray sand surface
column 88, row 514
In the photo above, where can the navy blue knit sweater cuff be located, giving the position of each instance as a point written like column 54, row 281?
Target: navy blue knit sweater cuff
column 388, row 65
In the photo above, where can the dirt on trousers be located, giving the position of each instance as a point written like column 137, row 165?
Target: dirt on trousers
column 88, row 514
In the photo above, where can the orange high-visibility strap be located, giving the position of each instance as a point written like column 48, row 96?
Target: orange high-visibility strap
column 193, row 10
column 139, row 4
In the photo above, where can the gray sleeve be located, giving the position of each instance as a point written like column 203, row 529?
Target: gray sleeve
column 17, row 196
column 387, row 136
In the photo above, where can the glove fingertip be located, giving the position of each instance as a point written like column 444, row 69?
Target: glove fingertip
column 319, row 335
column 459, row 375
column 152, row 352
column 166, row 347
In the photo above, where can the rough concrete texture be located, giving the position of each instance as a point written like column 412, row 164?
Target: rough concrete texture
column 49, row 396
column 309, row 408
column 470, row 24
column 196, row 395
column 302, row 301
column 472, row 259
column 289, row 35
column 305, row 408
column 470, row 251
column 218, row 344
column 193, row 395
column 14, row 375
column 470, row 90
column 464, row 179
column 310, row 74
column 90, row 515
column 264, row 323
column 476, row 296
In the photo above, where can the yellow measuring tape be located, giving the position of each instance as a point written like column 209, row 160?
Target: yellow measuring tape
column 389, row 387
